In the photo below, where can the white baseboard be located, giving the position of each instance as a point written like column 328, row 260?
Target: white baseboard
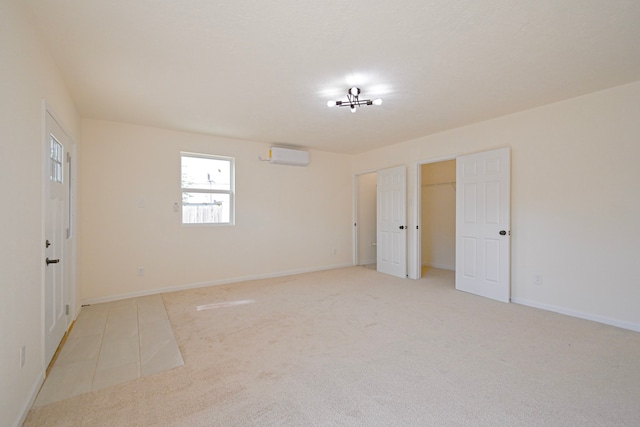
column 211, row 283
column 579, row 314
column 31, row 397
column 442, row 266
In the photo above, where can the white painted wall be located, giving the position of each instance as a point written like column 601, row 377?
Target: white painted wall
column 288, row 218
column 438, row 215
column 575, row 204
column 27, row 76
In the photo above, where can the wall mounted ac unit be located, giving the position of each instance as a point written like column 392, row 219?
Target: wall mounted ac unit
column 287, row 156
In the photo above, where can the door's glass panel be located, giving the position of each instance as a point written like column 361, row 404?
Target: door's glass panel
column 55, row 159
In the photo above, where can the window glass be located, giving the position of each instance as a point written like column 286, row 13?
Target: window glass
column 206, row 173
column 207, row 189
column 55, row 160
column 205, row 208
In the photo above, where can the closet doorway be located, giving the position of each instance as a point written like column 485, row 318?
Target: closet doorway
column 366, row 220
column 437, row 215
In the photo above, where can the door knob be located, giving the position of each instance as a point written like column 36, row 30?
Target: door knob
column 503, row 233
column 402, row 227
column 52, row 261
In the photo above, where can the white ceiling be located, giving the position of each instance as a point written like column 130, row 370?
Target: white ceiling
column 264, row 70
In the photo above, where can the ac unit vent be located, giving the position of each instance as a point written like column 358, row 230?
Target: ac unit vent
column 288, row 156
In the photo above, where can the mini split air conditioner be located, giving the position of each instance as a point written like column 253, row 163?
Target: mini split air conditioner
column 287, row 156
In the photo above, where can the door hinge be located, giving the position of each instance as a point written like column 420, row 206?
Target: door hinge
column 66, row 309
column 68, row 233
column 68, row 157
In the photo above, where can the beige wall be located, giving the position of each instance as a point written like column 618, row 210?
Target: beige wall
column 574, row 201
column 27, row 76
column 288, row 218
column 438, row 214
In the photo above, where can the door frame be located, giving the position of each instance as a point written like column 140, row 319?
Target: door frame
column 70, row 244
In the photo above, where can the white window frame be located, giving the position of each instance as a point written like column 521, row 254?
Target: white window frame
column 230, row 192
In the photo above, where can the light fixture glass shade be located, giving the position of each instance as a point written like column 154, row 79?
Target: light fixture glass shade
column 353, row 108
column 331, row 103
column 354, row 91
column 377, row 101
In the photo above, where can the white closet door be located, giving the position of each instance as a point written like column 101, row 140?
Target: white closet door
column 392, row 221
column 483, row 236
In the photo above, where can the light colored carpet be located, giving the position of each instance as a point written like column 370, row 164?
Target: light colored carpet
column 353, row 347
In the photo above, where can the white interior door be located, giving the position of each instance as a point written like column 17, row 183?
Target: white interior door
column 56, row 222
column 392, row 221
column 483, row 236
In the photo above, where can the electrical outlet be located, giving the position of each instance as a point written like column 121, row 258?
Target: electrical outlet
column 23, row 355
column 537, row 279
column 140, row 271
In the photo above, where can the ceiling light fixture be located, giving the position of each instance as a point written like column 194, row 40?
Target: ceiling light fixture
column 354, row 101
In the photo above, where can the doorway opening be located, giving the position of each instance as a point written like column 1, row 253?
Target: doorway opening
column 390, row 220
column 437, row 215
column 482, row 236
column 365, row 224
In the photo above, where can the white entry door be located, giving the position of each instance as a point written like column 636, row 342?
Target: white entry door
column 483, row 236
column 392, row 221
column 56, row 175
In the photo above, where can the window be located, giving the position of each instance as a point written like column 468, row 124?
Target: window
column 207, row 189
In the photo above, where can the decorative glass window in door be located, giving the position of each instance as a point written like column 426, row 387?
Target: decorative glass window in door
column 55, row 159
